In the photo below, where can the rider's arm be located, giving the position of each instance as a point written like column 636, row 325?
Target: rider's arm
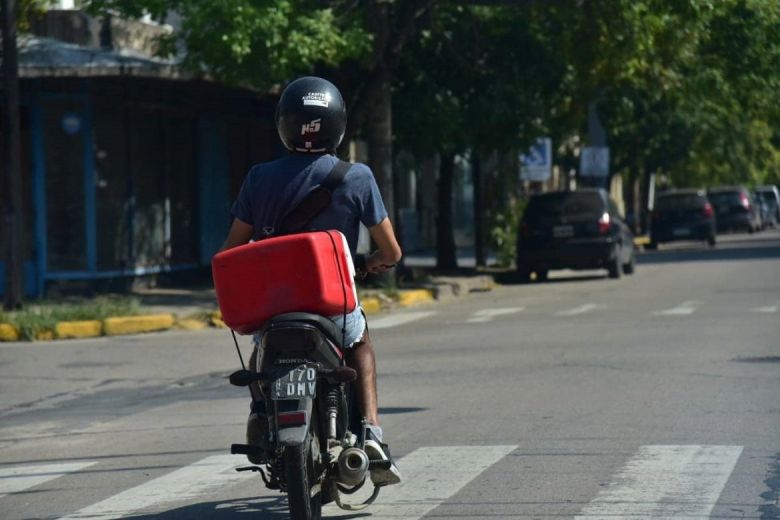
column 388, row 251
column 240, row 233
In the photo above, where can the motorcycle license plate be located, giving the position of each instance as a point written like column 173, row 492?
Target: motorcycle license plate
column 297, row 383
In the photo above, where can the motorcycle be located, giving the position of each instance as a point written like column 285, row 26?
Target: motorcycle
column 314, row 444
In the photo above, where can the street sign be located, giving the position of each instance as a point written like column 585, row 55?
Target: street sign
column 536, row 164
column 594, row 161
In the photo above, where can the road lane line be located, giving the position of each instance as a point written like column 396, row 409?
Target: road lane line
column 20, row 478
column 769, row 309
column 486, row 315
column 684, row 309
column 666, row 482
column 431, row 475
column 582, row 309
column 398, row 319
column 187, row 483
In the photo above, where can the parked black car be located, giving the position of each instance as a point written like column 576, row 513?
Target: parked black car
column 682, row 215
column 580, row 229
column 769, row 197
column 735, row 209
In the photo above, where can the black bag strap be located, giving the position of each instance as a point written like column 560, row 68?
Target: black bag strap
column 315, row 201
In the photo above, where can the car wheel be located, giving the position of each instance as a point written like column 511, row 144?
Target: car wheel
column 523, row 274
column 630, row 267
column 613, row 265
column 541, row 275
column 711, row 241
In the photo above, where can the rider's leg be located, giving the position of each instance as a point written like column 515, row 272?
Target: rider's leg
column 361, row 358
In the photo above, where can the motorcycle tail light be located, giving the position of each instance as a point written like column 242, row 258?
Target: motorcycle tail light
column 604, row 223
column 291, row 418
column 707, row 210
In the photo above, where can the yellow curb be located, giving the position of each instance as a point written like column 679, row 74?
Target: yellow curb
column 44, row 335
column 414, row 296
column 79, row 329
column 217, row 322
column 641, row 241
column 136, row 324
column 371, row 305
column 8, row 332
column 191, row 324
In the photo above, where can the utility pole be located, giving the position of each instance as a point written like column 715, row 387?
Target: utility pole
column 12, row 212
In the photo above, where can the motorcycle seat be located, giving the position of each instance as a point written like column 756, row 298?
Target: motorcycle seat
column 323, row 324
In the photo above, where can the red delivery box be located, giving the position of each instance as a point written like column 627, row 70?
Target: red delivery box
column 305, row 272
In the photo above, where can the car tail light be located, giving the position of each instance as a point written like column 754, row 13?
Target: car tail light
column 707, row 210
column 604, row 223
column 743, row 199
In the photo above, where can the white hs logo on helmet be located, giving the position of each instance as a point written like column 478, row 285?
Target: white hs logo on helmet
column 312, row 128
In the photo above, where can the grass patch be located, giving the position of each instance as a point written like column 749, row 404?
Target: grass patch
column 40, row 318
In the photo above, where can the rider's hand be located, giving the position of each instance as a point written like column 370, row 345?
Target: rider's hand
column 376, row 264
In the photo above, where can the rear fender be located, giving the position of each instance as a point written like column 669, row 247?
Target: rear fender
column 293, row 435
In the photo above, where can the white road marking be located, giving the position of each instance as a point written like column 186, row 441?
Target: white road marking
column 398, row 319
column 666, row 482
column 486, row 315
column 187, row 483
column 769, row 309
column 684, row 309
column 430, row 475
column 20, row 478
column 582, row 309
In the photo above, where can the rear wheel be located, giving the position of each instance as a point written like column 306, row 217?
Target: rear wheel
column 613, row 265
column 630, row 266
column 523, row 274
column 302, row 468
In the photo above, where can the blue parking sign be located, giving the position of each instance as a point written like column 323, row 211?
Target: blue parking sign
column 536, row 164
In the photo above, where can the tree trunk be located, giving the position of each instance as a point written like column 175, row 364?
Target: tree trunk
column 379, row 137
column 479, row 214
column 446, row 257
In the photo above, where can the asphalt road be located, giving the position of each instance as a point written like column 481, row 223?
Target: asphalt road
column 653, row 396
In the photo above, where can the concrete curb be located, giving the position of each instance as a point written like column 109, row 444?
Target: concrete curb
column 641, row 241
column 411, row 297
column 136, row 324
column 78, row 329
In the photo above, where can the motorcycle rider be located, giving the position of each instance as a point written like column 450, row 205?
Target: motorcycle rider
column 311, row 121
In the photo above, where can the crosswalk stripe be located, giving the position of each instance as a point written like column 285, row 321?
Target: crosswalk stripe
column 20, row 478
column 666, row 482
column 486, row 315
column 187, row 483
column 431, row 475
column 398, row 319
column 582, row 309
column 684, row 309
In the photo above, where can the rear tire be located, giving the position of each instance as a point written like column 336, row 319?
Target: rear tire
column 630, row 267
column 301, row 470
column 614, row 266
column 523, row 274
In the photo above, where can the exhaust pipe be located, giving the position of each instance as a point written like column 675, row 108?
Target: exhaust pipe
column 353, row 466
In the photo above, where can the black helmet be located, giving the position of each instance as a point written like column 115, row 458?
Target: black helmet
column 311, row 116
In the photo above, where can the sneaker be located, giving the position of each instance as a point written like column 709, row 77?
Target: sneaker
column 377, row 450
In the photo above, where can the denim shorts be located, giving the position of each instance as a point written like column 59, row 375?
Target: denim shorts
column 355, row 325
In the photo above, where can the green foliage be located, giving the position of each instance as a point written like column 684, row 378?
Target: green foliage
column 504, row 231
column 42, row 317
column 256, row 43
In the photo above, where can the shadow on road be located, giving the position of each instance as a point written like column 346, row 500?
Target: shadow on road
column 717, row 254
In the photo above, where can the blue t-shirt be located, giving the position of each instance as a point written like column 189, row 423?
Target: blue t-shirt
column 271, row 189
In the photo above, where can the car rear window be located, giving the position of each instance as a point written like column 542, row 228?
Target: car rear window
column 679, row 201
column 725, row 198
column 568, row 203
